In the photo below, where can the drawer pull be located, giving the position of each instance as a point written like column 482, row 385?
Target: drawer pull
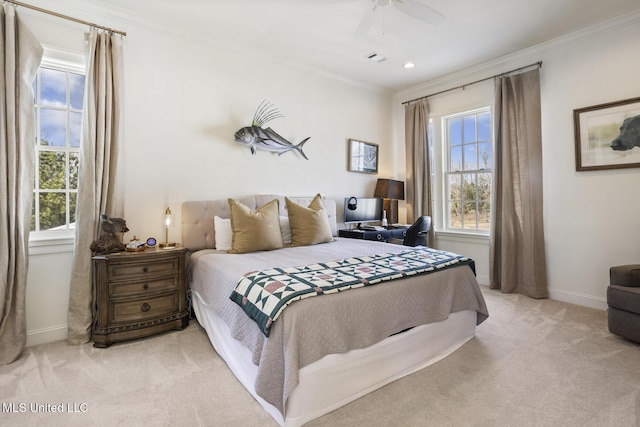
column 145, row 307
column 145, row 286
column 145, row 269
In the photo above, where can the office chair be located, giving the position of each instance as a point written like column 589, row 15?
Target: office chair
column 417, row 234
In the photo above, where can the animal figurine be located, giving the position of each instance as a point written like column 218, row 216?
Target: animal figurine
column 109, row 241
column 257, row 138
column 629, row 135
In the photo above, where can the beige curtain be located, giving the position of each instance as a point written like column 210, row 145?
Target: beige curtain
column 99, row 189
column 517, row 254
column 19, row 62
column 418, row 180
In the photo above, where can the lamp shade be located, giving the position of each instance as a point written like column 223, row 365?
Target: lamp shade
column 389, row 189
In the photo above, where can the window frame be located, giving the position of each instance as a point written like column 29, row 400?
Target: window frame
column 446, row 172
column 54, row 241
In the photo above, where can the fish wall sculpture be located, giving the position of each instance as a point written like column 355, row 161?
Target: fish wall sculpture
column 258, row 138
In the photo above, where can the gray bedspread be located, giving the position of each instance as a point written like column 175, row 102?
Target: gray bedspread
column 335, row 323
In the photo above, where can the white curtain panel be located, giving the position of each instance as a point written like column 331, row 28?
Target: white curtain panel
column 99, row 186
column 20, row 59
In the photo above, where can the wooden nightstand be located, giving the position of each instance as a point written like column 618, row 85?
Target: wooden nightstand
column 139, row 294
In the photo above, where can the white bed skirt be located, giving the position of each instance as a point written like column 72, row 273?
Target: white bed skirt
column 338, row 379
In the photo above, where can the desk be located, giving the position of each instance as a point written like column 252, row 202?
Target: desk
column 380, row 235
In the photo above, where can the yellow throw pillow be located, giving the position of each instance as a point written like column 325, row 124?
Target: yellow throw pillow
column 254, row 230
column 309, row 225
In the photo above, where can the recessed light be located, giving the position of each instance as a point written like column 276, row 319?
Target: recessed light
column 376, row 57
column 409, row 64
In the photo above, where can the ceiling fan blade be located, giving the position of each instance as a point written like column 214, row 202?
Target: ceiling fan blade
column 367, row 22
column 419, row 11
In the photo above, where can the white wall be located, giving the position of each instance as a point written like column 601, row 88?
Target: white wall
column 591, row 218
column 184, row 99
column 184, row 103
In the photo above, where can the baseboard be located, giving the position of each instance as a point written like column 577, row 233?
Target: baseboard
column 569, row 297
column 578, row 299
column 47, row 335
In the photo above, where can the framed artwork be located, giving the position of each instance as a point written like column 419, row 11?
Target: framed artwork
column 607, row 136
column 363, row 156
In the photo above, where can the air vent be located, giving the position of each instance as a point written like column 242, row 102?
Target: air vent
column 376, row 57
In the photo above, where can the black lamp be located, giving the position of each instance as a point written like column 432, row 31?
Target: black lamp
column 390, row 191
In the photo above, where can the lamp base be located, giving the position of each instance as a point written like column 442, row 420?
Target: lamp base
column 167, row 245
column 391, row 206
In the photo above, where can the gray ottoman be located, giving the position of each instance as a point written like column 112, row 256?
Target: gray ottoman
column 623, row 298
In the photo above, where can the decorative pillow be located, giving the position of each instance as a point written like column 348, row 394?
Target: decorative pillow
column 309, row 225
column 286, row 230
column 254, row 230
column 222, row 227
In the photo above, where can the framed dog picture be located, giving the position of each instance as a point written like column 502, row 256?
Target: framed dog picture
column 607, row 136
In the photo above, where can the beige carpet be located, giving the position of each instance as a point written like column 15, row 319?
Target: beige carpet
column 532, row 363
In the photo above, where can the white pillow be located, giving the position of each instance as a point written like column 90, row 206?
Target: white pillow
column 222, row 227
column 285, row 229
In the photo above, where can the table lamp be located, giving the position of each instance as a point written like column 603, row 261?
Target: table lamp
column 168, row 220
column 390, row 191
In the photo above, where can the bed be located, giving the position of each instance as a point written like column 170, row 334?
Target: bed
column 323, row 352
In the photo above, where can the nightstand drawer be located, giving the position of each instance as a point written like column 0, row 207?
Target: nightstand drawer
column 143, row 287
column 118, row 271
column 144, row 308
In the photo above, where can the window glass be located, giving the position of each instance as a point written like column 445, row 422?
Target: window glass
column 53, row 127
column 484, row 127
column 76, row 90
column 58, row 95
column 470, row 157
column 53, row 210
column 469, row 129
column 469, row 171
column 75, row 121
column 455, row 159
column 485, row 159
column 52, row 170
column 455, row 132
column 74, row 162
column 53, row 88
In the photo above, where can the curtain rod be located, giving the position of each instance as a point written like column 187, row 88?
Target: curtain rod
column 59, row 15
column 538, row 64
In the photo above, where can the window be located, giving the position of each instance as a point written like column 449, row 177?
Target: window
column 468, row 170
column 58, row 91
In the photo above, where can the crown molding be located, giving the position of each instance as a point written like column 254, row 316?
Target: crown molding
column 131, row 21
column 515, row 59
column 91, row 10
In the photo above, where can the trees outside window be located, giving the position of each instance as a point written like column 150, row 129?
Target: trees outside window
column 468, row 172
column 59, row 94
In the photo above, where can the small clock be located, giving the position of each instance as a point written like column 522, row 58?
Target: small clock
column 151, row 242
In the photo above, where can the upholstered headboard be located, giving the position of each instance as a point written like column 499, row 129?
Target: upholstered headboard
column 197, row 217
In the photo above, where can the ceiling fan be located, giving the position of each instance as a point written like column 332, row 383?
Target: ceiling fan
column 412, row 8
